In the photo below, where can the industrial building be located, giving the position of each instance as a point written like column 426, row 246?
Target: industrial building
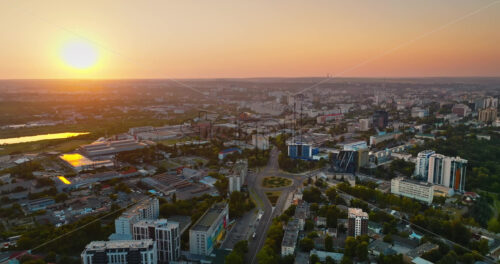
column 224, row 153
column 381, row 137
column 208, row 230
column 109, row 148
column 79, row 162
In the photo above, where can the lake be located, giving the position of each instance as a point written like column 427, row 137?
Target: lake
column 8, row 141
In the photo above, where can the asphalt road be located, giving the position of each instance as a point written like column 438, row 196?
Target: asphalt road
column 254, row 184
column 259, row 193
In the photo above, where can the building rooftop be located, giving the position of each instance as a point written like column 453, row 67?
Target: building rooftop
column 208, row 219
column 131, row 244
column 289, row 238
column 414, row 181
column 134, row 210
column 156, row 223
column 357, row 212
column 420, row 250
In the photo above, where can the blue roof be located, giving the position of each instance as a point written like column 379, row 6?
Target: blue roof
column 230, row 150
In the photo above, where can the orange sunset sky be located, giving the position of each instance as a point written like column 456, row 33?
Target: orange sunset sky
column 213, row 39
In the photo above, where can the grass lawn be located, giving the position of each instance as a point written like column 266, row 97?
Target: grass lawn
column 276, row 182
column 169, row 164
column 257, row 200
column 273, row 197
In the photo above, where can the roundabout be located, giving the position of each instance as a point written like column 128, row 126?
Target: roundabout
column 276, row 182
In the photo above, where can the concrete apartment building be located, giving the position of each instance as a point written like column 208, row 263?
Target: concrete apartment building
column 422, row 165
column 384, row 137
column 487, row 115
column 364, row 124
column 164, row 233
column 357, row 224
column 289, row 242
column 208, row 230
column 123, row 252
column 447, row 171
column 146, row 210
column 422, row 191
column 238, row 175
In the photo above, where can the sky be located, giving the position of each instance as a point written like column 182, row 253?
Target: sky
column 258, row 38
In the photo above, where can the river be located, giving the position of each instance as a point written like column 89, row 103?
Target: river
column 8, row 141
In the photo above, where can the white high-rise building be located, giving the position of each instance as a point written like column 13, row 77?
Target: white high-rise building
column 364, row 124
column 490, row 102
column 422, row 166
column 164, row 233
column 238, row 176
column 447, row 171
column 147, row 209
column 260, row 141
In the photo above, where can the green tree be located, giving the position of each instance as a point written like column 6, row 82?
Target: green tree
column 314, row 259
column 346, row 260
column 328, row 243
column 267, row 255
column 234, row 258
column 61, row 197
column 306, row 244
column 350, row 247
column 362, row 251
column 241, row 246
column 222, row 186
column 331, row 193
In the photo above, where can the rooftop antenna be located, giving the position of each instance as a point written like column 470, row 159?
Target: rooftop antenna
column 294, row 118
column 300, row 122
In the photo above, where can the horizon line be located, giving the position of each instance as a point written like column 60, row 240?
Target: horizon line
column 256, row 77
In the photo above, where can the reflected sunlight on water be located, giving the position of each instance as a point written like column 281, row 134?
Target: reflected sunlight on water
column 8, row 141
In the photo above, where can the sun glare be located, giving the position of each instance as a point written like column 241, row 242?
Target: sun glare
column 79, row 55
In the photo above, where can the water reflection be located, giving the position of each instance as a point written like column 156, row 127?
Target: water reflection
column 8, row 141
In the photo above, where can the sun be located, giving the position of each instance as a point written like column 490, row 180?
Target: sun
column 79, row 54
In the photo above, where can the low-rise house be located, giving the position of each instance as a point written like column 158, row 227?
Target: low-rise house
column 319, row 243
column 289, row 242
column 379, row 247
column 419, row 251
column 332, row 232
column 302, row 213
column 320, row 221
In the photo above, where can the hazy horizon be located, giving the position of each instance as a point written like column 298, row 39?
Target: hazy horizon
column 259, row 39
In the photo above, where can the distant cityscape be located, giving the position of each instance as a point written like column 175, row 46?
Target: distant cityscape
column 250, row 171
